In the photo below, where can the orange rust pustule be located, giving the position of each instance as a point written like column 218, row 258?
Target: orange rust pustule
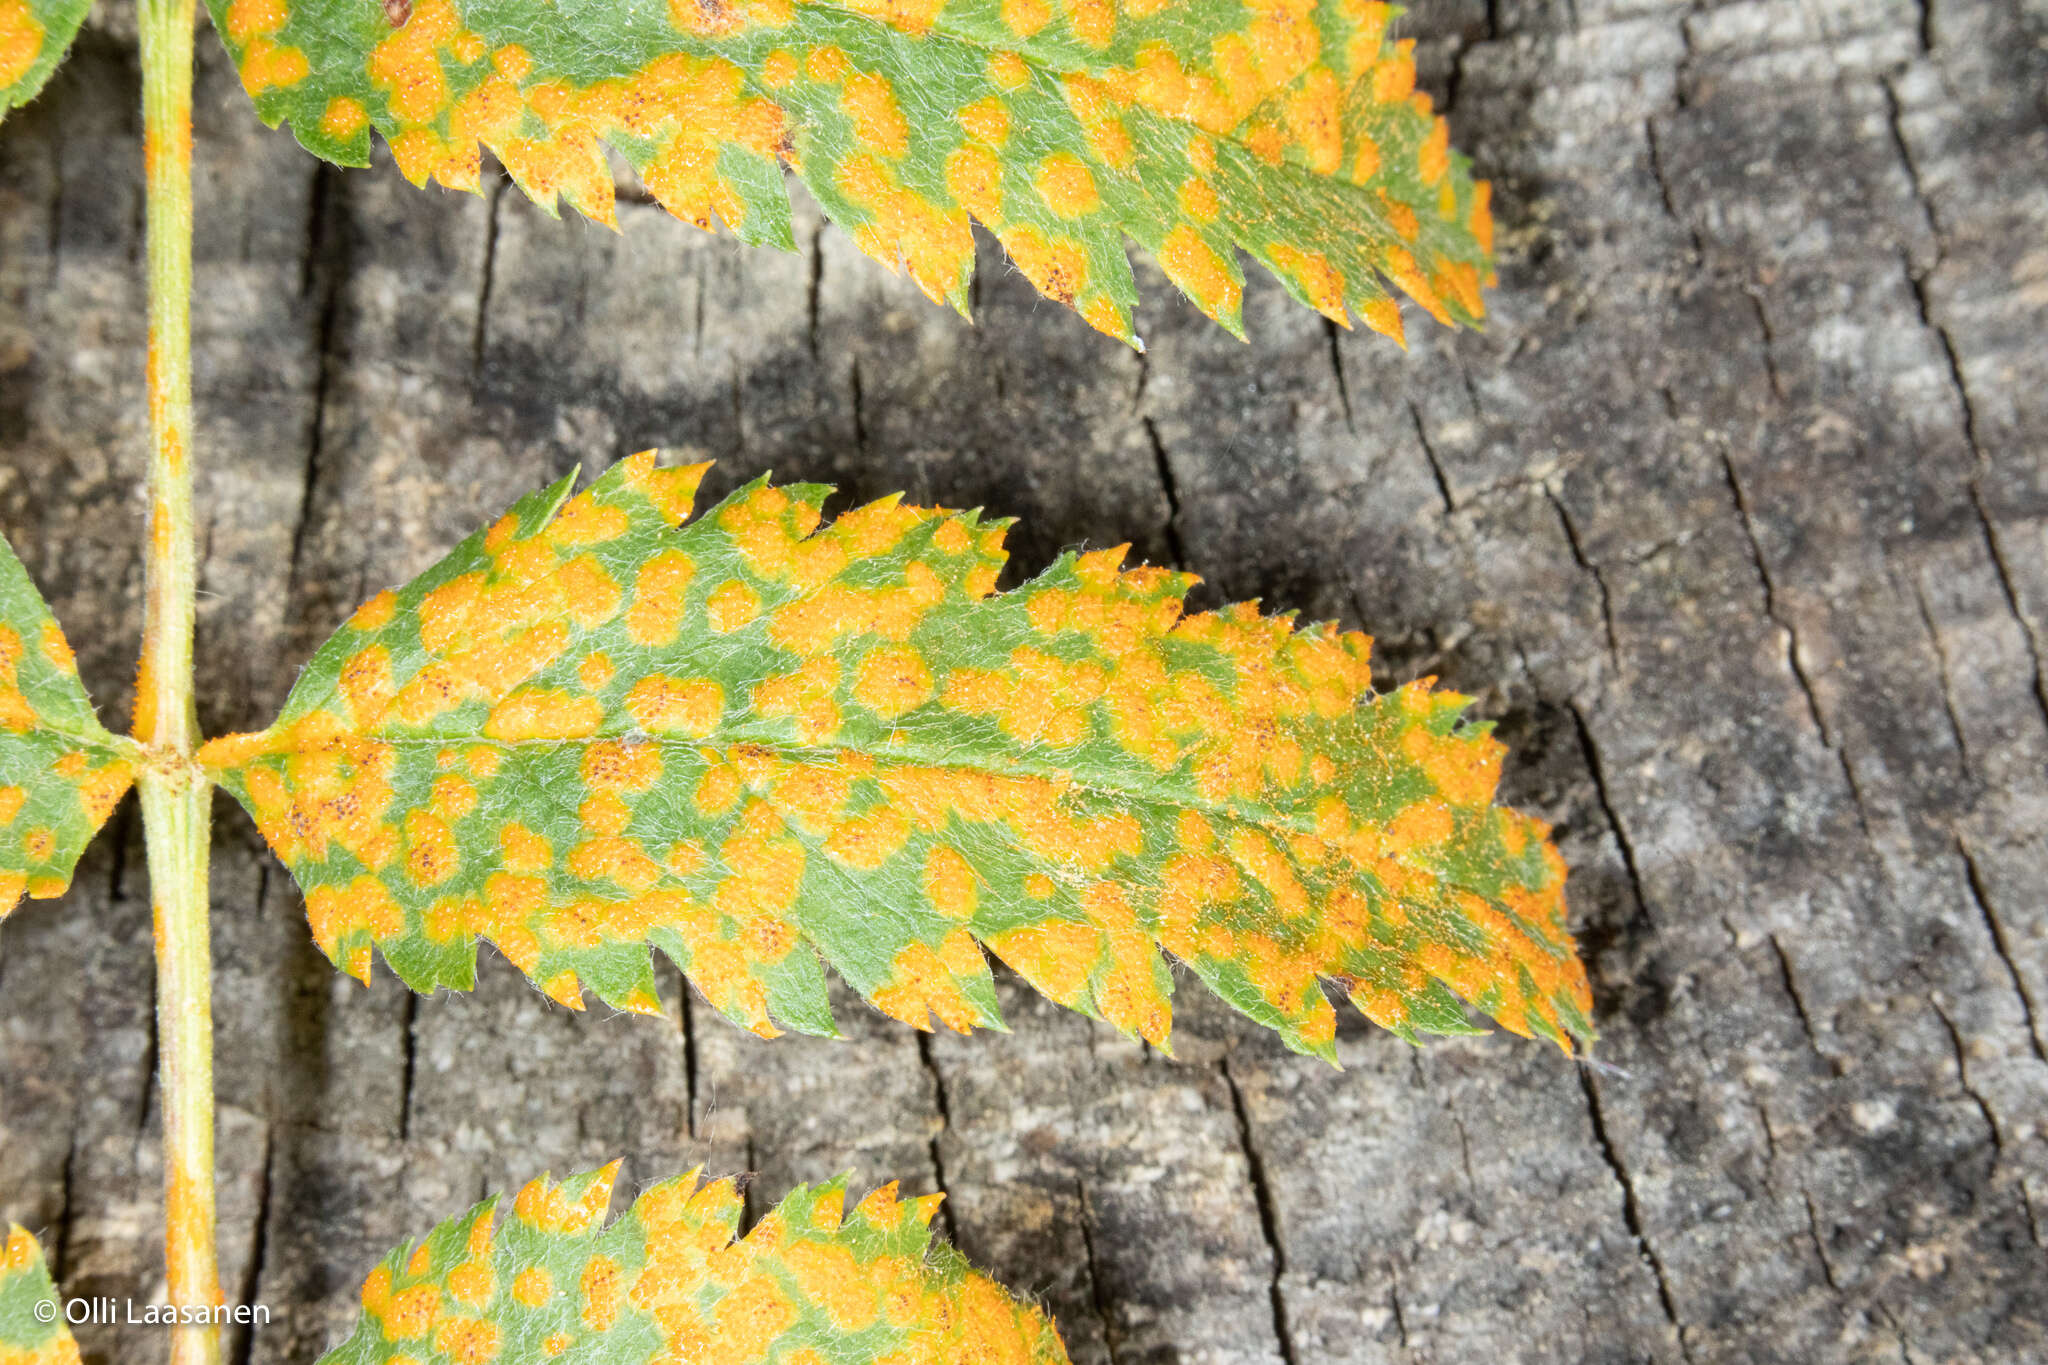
column 21, row 40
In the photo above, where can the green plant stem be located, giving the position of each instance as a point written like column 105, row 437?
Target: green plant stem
column 175, row 818
column 163, row 688
column 176, row 796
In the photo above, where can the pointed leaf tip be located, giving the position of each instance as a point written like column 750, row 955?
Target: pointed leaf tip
column 35, row 36
column 61, row 772
column 766, row 745
column 32, row 1329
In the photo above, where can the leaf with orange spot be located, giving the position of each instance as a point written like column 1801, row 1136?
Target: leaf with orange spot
column 34, row 36
column 32, row 1330
column 61, row 772
column 667, row 1281
column 885, row 766
column 1290, row 130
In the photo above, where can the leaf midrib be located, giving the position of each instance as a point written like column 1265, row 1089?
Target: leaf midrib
column 929, row 757
column 917, row 754
column 901, row 755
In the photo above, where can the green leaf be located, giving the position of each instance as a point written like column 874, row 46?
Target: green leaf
column 810, row 1284
column 34, row 36
column 752, row 742
column 1290, row 129
column 32, row 1330
column 61, row 773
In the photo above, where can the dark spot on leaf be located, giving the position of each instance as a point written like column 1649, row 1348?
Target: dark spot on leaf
column 397, row 12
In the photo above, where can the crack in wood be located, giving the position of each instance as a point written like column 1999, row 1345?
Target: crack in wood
column 486, row 282
column 1791, row 985
column 814, row 284
column 1973, row 878
column 1590, row 753
column 1269, row 1223
column 1794, row 664
column 943, row 1104
column 1631, row 1209
column 60, row 1247
column 1664, row 196
column 1947, row 676
column 690, row 1063
column 1098, row 1291
column 2012, row 602
column 259, row 1247
column 1820, row 1246
column 1332, row 335
column 408, row 1066
column 326, row 266
column 1436, row 469
column 1962, row 1061
column 1579, row 557
column 1162, row 466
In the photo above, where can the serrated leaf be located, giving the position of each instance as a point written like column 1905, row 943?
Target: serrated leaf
column 61, row 773
column 666, row 1282
column 752, row 742
column 1291, row 129
column 32, row 1330
column 34, row 36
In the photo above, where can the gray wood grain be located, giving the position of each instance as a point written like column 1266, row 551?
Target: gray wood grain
column 1736, row 520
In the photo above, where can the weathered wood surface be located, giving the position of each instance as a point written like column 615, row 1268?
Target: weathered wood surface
column 1736, row 519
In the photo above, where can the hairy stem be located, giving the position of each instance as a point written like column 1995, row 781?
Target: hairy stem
column 175, row 813
column 163, row 688
column 175, row 794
